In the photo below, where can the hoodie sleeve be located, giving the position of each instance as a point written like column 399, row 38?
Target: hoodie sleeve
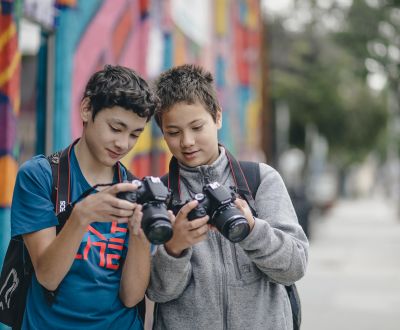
column 169, row 275
column 277, row 244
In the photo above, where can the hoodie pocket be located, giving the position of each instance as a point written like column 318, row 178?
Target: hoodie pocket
column 245, row 270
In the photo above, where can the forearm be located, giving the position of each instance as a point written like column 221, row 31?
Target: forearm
column 169, row 275
column 282, row 256
column 52, row 256
column 136, row 271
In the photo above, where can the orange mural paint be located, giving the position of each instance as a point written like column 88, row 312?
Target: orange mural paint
column 8, row 170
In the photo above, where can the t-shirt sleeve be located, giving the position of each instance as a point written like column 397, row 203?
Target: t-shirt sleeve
column 32, row 208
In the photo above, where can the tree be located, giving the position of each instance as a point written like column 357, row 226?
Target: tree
column 321, row 79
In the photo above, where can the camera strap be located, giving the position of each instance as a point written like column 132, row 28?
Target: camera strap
column 172, row 181
column 246, row 185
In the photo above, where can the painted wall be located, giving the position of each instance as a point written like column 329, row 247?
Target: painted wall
column 9, row 108
column 148, row 36
column 151, row 36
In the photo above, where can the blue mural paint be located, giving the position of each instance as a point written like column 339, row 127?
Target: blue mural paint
column 72, row 24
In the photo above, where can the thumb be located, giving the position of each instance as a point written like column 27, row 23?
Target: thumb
column 171, row 217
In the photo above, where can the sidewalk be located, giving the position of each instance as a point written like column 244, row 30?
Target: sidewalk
column 353, row 278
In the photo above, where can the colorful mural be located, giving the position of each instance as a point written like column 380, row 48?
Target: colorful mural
column 151, row 36
column 148, row 36
column 9, row 106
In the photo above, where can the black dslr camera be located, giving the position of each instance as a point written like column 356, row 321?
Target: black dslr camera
column 154, row 196
column 217, row 202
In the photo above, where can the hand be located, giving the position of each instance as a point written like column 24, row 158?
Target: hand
column 244, row 208
column 104, row 206
column 186, row 233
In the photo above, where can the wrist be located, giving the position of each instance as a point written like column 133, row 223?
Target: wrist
column 138, row 241
column 252, row 222
column 174, row 252
column 79, row 217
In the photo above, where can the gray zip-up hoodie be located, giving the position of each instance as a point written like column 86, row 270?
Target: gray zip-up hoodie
column 216, row 284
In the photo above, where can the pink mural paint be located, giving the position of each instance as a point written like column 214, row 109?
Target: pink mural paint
column 93, row 47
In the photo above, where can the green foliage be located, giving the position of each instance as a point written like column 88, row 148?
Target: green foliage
column 321, row 75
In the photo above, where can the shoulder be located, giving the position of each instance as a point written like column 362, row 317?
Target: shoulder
column 32, row 208
column 37, row 167
column 267, row 171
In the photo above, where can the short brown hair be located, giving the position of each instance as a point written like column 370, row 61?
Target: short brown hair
column 187, row 83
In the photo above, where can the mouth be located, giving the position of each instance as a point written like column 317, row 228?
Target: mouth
column 190, row 154
column 113, row 154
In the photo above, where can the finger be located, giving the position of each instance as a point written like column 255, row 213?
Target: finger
column 120, row 203
column 200, row 231
column 240, row 203
column 121, row 213
column 196, row 223
column 184, row 211
column 171, row 217
column 121, row 187
column 137, row 220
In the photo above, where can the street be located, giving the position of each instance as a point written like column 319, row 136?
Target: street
column 353, row 278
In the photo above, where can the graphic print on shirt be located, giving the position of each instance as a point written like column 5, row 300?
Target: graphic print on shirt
column 110, row 246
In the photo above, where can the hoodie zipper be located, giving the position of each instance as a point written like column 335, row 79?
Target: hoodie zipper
column 224, row 287
column 235, row 261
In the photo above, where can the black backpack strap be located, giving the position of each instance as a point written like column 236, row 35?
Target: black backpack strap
column 61, row 191
column 247, row 179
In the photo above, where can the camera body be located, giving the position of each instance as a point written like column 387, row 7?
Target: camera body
column 153, row 195
column 217, row 202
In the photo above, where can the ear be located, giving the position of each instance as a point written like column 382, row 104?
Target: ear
column 85, row 110
column 218, row 119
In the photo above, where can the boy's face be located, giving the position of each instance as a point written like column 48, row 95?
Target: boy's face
column 191, row 133
column 112, row 134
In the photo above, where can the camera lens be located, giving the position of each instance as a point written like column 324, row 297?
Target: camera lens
column 159, row 232
column 155, row 223
column 232, row 224
column 238, row 230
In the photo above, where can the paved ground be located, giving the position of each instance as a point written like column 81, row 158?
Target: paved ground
column 353, row 279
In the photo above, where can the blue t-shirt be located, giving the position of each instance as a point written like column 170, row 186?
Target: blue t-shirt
column 88, row 296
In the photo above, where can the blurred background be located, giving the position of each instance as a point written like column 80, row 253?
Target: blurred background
column 310, row 87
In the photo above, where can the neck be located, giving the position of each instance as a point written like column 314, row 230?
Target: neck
column 93, row 171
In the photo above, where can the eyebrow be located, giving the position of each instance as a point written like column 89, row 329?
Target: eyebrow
column 192, row 122
column 118, row 122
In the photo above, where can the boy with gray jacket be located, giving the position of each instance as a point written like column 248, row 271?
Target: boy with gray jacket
column 200, row 279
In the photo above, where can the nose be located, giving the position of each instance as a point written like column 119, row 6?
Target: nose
column 122, row 142
column 187, row 140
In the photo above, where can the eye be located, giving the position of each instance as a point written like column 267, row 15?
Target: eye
column 134, row 136
column 197, row 128
column 173, row 133
column 114, row 129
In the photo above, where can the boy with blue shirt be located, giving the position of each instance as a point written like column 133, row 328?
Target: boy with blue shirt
column 99, row 263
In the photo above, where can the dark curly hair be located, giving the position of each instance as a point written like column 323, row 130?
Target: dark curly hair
column 120, row 86
column 187, row 83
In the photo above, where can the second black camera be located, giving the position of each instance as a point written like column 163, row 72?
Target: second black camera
column 217, row 202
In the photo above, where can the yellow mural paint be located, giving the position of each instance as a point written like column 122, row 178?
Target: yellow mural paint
column 143, row 145
column 221, row 17
column 8, row 170
column 7, row 35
